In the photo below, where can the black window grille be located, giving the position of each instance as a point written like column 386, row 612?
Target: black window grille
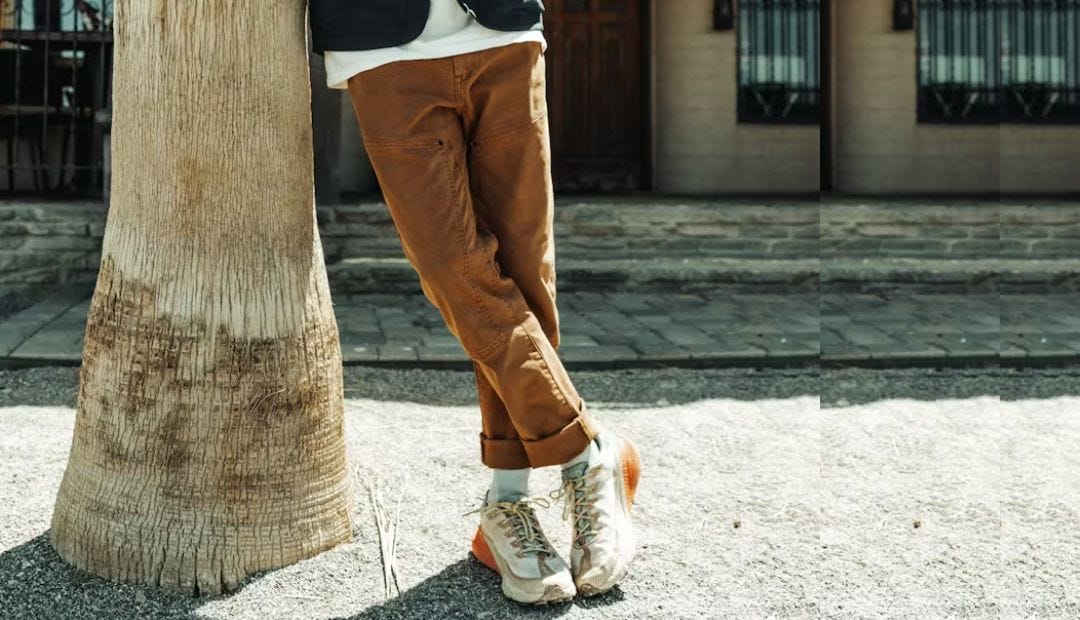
column 779, row 74
column 1040, row 69
column 55, row 83
column 991, row 61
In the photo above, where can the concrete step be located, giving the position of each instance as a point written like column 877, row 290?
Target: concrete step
column 675, row 273
column 1009, row 276
column 655, row 274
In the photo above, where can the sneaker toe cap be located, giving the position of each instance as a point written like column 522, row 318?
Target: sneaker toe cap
column 551, row 589
column 602, row 577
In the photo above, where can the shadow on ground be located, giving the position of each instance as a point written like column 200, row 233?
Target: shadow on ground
column 57, row 386
column 466, row 589
column 858, row 386
column 36, row 583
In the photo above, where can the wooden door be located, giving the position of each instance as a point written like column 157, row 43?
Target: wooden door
column 597, row 94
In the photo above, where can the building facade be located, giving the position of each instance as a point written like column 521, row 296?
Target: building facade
column 705, row 97
column 961, row 98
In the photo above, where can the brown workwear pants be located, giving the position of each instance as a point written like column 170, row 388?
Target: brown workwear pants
column 460, row 147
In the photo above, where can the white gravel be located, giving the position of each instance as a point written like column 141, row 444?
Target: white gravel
column 774, row 508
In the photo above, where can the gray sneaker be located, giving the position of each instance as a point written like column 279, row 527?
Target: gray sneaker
column 510, row 542
column 598, row 499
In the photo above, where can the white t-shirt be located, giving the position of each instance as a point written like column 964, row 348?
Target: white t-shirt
column 449, row 31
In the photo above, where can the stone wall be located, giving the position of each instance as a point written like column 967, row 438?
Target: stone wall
column 890, row 229
column 49, row 243
column 600, row 241
column 614, row 228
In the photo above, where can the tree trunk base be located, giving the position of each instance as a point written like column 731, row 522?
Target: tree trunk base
column 199, row 457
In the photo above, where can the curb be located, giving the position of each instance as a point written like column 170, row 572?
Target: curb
column 791, row 360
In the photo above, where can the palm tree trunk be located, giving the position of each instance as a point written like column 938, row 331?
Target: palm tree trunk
column 209, row 437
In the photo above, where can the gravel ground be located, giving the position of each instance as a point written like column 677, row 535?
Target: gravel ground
column 792, row 494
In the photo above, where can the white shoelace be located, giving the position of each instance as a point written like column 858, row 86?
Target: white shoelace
column 580, row 498
column 524, row 525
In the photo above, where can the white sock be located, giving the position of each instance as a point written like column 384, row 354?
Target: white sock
column 509, row 485
column 589, row 456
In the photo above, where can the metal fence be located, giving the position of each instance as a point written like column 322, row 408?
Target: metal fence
column 779, row 74
column 990, row 61
column 55, row 83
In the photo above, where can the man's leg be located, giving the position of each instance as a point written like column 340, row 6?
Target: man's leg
column 509, row 165
column 411, row 117
column 510, row 180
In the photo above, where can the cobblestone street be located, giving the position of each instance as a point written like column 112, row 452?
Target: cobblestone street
column 708, row 329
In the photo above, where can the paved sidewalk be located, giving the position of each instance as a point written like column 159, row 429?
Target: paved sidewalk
column 713, row 329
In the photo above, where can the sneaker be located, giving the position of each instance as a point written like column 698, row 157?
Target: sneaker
column 598, row 499
column 510, row 542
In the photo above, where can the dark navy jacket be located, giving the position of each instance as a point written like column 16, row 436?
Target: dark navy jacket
column 341, row 25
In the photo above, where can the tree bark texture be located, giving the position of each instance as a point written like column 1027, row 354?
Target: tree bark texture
column 209, row 436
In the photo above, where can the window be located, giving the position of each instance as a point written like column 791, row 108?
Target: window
column 988, row 61
column 778, row 61
column 56, row 59
column 1040, row 68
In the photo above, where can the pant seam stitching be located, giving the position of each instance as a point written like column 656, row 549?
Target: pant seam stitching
column 547, row 372
column 485, row 352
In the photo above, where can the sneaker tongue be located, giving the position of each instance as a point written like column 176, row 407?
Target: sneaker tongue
column 575, row 471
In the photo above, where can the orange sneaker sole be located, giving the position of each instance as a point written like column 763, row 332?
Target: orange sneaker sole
column 631, row 467
column 482, row 552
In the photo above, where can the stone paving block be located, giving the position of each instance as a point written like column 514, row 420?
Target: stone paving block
column 793, row 345
column 440, row 340
column 726, row 351
column 57, row 344
column 584, row 329
column 359, row 353
column 405, row 334
column 362, row 338
column 973, row 348
column 74, row 317
column 654, row 320
column 355, row 312
column 1010, row 352
column 686, row 335
column 1052, row 348
column 390, row 353
column 616, row 338
column 21, row 326
column 867, row 335
column 575, row 340
column 630, row 303
column 963, row 342
column 666, row 352
column 645, row 336
column 441, row 354
column 600, row 353
column 905, row 353
column 831, row 340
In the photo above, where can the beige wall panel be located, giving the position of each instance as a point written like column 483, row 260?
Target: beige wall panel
column 881, row 148
column 1040, row 159
column 700, row 149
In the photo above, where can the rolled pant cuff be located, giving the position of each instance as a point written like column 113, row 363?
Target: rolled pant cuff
column 503, row 453
column 563, row 445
